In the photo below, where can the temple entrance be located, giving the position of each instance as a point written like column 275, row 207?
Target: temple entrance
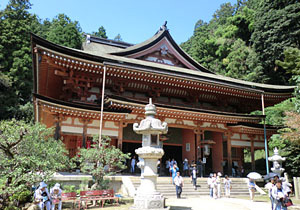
column 128, row 147
column 172, row 152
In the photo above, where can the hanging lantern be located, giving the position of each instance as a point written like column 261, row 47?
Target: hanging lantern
column 206, row 146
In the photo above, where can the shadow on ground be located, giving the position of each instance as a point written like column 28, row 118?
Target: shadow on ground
column 180, row 208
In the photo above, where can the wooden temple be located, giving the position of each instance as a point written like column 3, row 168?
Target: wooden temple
column 207, row 114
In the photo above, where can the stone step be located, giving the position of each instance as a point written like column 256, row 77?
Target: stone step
column 164, row 185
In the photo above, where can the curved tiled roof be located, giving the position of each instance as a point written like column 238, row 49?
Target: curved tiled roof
column 160, row 68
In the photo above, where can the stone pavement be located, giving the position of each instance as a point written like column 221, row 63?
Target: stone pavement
column 218, row 204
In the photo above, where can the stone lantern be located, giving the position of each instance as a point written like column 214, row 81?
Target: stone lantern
column 277, row 162
column 147, row 197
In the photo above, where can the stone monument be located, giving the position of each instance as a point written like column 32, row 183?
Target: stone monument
column 277, row 162
column 147, row 197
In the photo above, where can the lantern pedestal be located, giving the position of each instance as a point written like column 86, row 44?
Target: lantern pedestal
column 147, row 197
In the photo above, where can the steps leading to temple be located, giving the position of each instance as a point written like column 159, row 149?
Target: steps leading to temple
column 164, row 185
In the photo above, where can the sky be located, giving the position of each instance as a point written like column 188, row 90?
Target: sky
column 134, row 20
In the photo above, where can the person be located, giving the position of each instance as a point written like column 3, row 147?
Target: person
column 252, row 189
column 269, row 186
column 278, row 195
column 55, row 194
column 174, row 170
column 133, row 162
column 172, row 162
column 200, row 167
column 178, row 180
column 167, row 166
column 214, row 186
column 233, row 172
column 194, row 176
column 286, row 186
column 158, row 167
column 218, row 182
column 42, row 196
column 242, row 171
column 227, row 186
column 210, row 185
column 185, row 167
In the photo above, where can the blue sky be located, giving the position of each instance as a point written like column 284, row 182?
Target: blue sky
column 134, row 20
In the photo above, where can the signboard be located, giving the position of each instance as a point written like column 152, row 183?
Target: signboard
column 188, row 147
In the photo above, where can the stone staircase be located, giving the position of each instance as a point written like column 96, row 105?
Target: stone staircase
column 239, row 187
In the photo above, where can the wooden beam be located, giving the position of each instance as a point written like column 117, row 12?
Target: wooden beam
column 61, row 73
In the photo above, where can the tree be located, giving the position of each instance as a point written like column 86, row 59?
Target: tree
column 100, row 33
column 291, row 63
column 277, row 26
column 238, row 65
column 28, row 154
column 15, row 57
column 118, row 38
column 64, row 31
column 100, row 161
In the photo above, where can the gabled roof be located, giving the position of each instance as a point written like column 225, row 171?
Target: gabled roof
column 162, row 36
column 101, row 57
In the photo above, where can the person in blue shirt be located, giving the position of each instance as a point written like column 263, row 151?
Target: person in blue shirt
column 252, row 189
column 174, row 172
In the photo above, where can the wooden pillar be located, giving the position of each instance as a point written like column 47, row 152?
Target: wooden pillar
column 198, row 133
column 57, row 120
column 229, row 158
column 121, row 125
column 252, row 155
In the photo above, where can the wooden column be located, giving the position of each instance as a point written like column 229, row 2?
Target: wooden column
column 57, row 121
column 198, row 133
column 229, row 158
column 252, row 155
column 121, row 125
column 85, row 123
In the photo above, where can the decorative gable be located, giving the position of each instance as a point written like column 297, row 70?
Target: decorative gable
column 163, row 52
column 161, row 48
column 162, row 55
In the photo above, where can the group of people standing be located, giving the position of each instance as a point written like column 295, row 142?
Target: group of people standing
column 43, row 198
column 214, row 183
column 279, row 192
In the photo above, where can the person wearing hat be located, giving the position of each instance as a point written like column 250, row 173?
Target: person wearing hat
column 42, row 196
column 278, row 195
column 55, row 194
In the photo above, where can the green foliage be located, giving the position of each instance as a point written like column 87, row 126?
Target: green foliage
column 100, row 33
column 69, row 188
column 118, row 38
column 101, row 161
column 63, row 31
column 28, row 154
column 244, row 40
column 275, row 115
column 15, row 57
column 277, row 26
column 291, row 63
column 292, row 163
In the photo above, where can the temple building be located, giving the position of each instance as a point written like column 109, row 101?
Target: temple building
column 207, row 114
